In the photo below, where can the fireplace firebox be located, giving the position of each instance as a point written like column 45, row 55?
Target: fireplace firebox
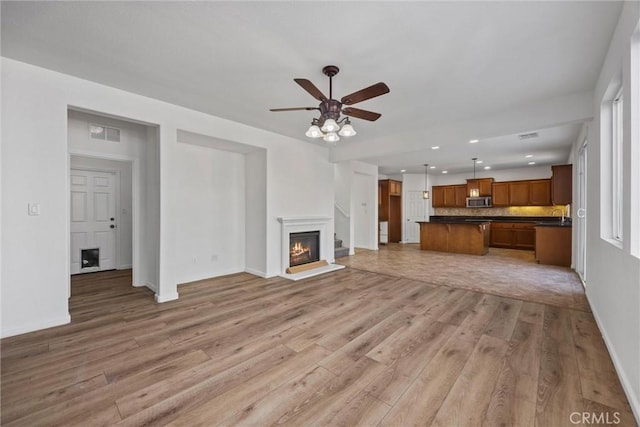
column 304, row 247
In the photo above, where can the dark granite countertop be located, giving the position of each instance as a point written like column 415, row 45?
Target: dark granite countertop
column 469, row 221
column 553, row 224
column 533, row 219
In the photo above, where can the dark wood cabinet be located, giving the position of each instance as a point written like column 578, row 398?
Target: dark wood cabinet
column 535, row 192
column 500, row 194
column 449, row 196
column 501, row 235
column 519, row 193
column 524, row 235
column 460, row 196
column 562, row 184
column 553, row 245
column 513, row 235
column 390, row 207
column 482, row 184
column 540, row 192
column 437, row 196
column 395, row 188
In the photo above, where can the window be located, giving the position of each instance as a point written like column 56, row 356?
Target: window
column 617, row 138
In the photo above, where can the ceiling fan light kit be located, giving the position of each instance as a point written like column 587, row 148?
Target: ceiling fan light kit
column 329, row 125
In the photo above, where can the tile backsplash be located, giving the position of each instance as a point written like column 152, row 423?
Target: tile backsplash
column 506, row 211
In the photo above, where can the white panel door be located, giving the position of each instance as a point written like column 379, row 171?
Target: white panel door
column 93, row 224
column 414, row 207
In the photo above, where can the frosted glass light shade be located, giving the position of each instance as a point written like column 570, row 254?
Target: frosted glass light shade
column 331, row 137
column 425, row 194
column 347, row 130
column 313, row 132
column 330, row 125
column 474, row 192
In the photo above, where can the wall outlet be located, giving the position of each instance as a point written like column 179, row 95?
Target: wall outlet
column 195, row 260
column 214, row 258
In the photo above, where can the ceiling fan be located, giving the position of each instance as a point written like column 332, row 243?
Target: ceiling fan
column 328, row 124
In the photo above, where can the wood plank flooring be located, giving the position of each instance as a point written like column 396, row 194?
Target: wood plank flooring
column 347, row 348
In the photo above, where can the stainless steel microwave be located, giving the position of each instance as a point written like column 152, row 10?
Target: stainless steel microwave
column 478, row 202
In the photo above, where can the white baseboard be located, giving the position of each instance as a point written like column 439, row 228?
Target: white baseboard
column 125, row 267
column 634, row 402
column 255, row 272
column 36, row 326
column 165, row 298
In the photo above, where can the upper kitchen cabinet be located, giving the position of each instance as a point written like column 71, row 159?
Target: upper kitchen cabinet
column 519, row 193
column 483, row 185
column 500, row 193
column 395, row 188
column 535, row 192
column 562, row 184
column 540, row 192
column 449, row 196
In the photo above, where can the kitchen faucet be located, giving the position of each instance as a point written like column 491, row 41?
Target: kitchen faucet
column 562, row 211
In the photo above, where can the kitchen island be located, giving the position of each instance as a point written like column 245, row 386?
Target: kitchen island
column 457, row 236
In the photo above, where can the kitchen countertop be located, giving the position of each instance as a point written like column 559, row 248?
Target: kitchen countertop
column 469, row 221
column 553, row 224
column 544, row 221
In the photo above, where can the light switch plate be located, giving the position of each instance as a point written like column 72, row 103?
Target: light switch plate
column 34, row 209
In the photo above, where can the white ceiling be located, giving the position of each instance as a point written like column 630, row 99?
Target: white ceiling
column 457, row 70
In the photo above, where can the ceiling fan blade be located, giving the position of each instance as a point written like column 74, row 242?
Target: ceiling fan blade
column 361, row 114
column 311, row 88
column 294, row 109
column 366, row 93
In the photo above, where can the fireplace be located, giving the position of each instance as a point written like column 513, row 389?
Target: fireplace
column 304, row 247
column 306, row 240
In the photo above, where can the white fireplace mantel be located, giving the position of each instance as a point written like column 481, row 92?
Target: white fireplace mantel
column 300, row 225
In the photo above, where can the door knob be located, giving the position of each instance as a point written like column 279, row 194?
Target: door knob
column 112, row 226
column 112, row 219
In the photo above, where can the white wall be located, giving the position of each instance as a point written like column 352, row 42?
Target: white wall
column 256, row 212
column 210, row 236
column 342, row 212
column 364, row 203
column 529, row 172
column 35, row 164
column 613, row 273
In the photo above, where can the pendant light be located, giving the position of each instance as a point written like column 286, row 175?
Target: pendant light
column 474, row 191
column 425, row 193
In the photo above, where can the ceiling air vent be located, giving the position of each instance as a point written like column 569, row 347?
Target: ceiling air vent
column 528, row 135
column 104, row 133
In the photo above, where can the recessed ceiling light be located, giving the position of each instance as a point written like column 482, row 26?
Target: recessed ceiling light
column 487, row 167
column 528, row 156
column 478, row 161
column 473, row 141
column 403, row 170
column 531, row 163
column 445, row 171
column 435, row 147
column 432, row 167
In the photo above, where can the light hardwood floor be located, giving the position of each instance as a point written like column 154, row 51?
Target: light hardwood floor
column 351, row 347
